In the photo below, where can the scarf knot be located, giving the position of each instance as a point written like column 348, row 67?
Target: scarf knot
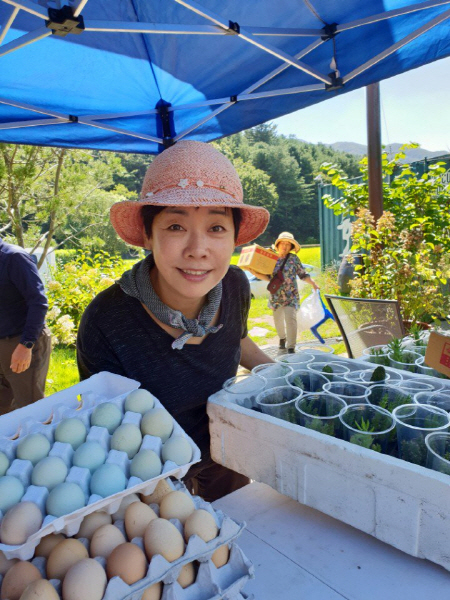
column 137, row 283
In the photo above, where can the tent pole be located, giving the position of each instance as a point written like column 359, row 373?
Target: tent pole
column 374, row 150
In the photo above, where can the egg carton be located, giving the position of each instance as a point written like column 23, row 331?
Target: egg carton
column 211, row 583
column 22, row 469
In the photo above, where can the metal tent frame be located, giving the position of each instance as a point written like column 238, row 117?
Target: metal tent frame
column 67, row 21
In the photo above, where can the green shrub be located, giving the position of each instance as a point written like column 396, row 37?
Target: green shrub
column 73, row 286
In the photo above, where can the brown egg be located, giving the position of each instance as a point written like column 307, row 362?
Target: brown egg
column 128, row 562
column 221, row 556
column 201, row 523
column 47, row 544
column 154, row 592
column 21, row 521
column 63, row 556
column 5, row 563
column 162, row 537
column 137, row 516
column 176, row 505
column 17, row 579
column 41, row 589
column 158, row 493
column 105, row 539
column 187, row 575
column 86, row 580
column 91, row 523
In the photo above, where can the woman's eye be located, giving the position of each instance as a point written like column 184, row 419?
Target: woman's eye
column 217, row 228
column 175, row 227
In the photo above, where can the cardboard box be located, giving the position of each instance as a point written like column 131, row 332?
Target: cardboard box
column 258, row 258
column 438, row 353
column 400, row 503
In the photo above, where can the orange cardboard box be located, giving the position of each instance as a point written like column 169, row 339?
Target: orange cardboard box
column 438, row 353
column 258, row 258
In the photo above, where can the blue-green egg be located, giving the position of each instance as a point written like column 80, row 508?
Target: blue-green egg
column 139, row 401
column 177, row 449
column 11, row 492
column 71, row 431
column 108, row 480
column 64, row 499
column 4, row 463
column 126, row 438
column 157, row 422
column 89, row 455
column 49, row 472
column 107, row 415
column 33, row 447
column 146, row 465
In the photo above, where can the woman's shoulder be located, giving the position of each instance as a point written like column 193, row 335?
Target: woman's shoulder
column 106, row 304
column 236, row 278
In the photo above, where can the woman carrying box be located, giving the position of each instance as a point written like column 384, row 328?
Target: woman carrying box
column 177, row 322
column 285, row 301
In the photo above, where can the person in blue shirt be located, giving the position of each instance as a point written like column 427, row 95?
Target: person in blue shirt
column 25, row 343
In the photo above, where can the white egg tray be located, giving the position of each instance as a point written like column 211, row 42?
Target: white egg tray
column 92, row 395
column 402, row 504
column 210, row 584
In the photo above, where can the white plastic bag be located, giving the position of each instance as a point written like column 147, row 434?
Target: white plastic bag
column 311, row 312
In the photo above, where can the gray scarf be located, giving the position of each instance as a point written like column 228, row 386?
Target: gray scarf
column 137, row 283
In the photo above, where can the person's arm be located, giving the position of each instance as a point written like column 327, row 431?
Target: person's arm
column 261, row 276
column 303, row 275
column 24, row 275
column 252, row 355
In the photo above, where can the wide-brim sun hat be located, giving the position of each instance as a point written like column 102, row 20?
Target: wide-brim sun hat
column 189, row 174
column 288, row 237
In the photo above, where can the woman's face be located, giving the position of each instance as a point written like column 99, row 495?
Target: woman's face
column 284, row 248
column 192, row 248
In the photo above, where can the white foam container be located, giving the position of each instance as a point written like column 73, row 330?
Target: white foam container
column 404, row 505
column 43, row 417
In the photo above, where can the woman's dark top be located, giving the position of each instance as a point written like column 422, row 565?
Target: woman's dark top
column 116, row 334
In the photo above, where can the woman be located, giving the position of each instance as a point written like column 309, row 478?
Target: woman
column 286, row 301
column 177, row 322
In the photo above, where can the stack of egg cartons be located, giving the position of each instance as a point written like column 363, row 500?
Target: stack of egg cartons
column 89, row 510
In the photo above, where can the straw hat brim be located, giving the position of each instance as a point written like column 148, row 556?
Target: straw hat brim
column 291, row 241
column 126, row 216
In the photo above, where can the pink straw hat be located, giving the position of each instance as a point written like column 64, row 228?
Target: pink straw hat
column 189, row 174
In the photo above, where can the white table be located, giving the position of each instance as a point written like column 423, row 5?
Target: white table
column 302, row 554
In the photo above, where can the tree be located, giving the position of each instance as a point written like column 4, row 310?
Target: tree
column 41, row 188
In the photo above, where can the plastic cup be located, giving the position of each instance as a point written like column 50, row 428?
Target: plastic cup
column 243, row 389
column 388, row 396
column 415, row 385
column 320, row 411
column 377, row 355
column 413, row 423
column 279, row 402
column 440, row 399
column 368, row 426
column 337, row 373
column 274, row 373
column 308, row 381
column 438, row 452
column 419, row 349
column 363, row 377
column 351, row 393
column 424, row 370
column 409, row 361
column 307, row 347
column 296, row 361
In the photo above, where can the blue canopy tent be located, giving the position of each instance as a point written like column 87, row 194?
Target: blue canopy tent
column 139, row 75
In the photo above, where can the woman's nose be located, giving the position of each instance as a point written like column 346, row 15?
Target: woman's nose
column 197, row 245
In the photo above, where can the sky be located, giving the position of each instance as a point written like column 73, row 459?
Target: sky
column 415, row 108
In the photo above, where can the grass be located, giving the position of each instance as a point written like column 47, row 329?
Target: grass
column 63, row 370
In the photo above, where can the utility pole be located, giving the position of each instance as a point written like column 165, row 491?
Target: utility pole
column 374, row 150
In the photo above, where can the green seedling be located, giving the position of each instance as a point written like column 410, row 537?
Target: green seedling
column 379, row 374
column 366, row 441
column 380, row 357
column 414, row 451
column 364, row 425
